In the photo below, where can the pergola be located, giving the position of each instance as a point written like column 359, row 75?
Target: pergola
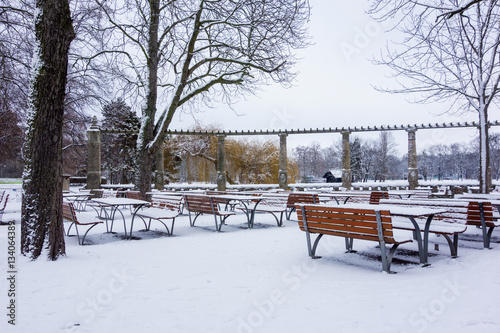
column 94, row 149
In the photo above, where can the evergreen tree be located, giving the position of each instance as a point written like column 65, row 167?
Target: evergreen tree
column 119, row 149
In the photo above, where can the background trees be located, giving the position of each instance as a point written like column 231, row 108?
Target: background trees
column 449, row 53
column 377, row 160
column 248, row 161
column 196, row 51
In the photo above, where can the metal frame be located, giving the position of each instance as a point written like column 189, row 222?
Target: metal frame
column 74, row 221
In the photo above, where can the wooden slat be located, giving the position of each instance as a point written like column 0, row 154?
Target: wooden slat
column 348, row 228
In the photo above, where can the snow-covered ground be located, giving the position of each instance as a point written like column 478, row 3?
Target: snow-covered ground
column 244, row 281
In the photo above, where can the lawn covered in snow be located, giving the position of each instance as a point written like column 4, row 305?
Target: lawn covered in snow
column 244, row 281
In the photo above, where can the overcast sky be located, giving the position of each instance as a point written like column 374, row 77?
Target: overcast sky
column 335, row 88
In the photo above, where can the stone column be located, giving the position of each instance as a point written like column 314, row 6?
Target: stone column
column 412, row 160
column 283, row 163
column 160, row 169
column 221, row 165
column 346, row 161
column 94, row 156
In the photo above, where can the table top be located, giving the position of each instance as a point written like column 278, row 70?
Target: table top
column 494, row 196
column 395, row 210
column 236, row 197
column 120, row 201
column 75, row 195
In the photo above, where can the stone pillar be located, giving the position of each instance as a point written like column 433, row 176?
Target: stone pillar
column 160, row 169
column 221, row 163
column 283, row 163
column 94, row 156
column 346, row 161
column 412, row 160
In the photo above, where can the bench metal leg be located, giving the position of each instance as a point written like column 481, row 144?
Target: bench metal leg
column 85, row 235
column 348, row 245
column 312, row 251
column 453, row 244
column 387, row 257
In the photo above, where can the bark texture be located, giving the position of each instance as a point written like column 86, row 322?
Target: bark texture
column 41, row 220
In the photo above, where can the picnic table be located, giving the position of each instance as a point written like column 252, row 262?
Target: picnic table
column 344, row 197
column 114, row 203
column 249, row 204
column 411, row 213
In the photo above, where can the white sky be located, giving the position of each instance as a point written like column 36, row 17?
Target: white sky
column 334, row 88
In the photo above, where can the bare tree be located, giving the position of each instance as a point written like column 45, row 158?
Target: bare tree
column 17, row 41
column 385, row 149
column 196, row 51
column 449, row 53
column 41, row 217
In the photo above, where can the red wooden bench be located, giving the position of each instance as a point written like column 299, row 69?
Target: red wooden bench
column 297, row 197
column 364, row 224
column 69, row 214
column 202, row 204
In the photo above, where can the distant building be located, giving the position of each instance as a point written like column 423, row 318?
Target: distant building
column 333, row 176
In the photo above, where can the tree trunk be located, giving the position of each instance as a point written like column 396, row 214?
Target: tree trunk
column 484, row 151
column 41, row 217
column 145, row 152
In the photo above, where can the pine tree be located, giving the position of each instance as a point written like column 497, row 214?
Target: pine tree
column 118, row 149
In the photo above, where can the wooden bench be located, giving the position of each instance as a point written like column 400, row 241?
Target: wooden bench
column 364, row 224
column 202, row 204
column 297, row 197
column 69, row 214
column 365, row 196
column 464, row 212
column 165, row 208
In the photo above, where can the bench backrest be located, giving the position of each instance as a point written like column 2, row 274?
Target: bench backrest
column 375, row 197
column 69, row 212
column 296, row 197
column 170, row 203
column 201, row 204
column 109, row 194
column 346, row 222
column 420, row 194
column 274, row 201
column 474, row 214
column 134, row 195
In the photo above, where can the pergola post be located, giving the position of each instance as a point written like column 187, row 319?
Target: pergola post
column 412, row 159
column 221, row 162
column 346, row 161
column 160, row 168
column 94, row 156
column 283, row 163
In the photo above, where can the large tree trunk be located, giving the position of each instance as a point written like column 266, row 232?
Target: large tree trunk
column 41, row 219
column 146, row 153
